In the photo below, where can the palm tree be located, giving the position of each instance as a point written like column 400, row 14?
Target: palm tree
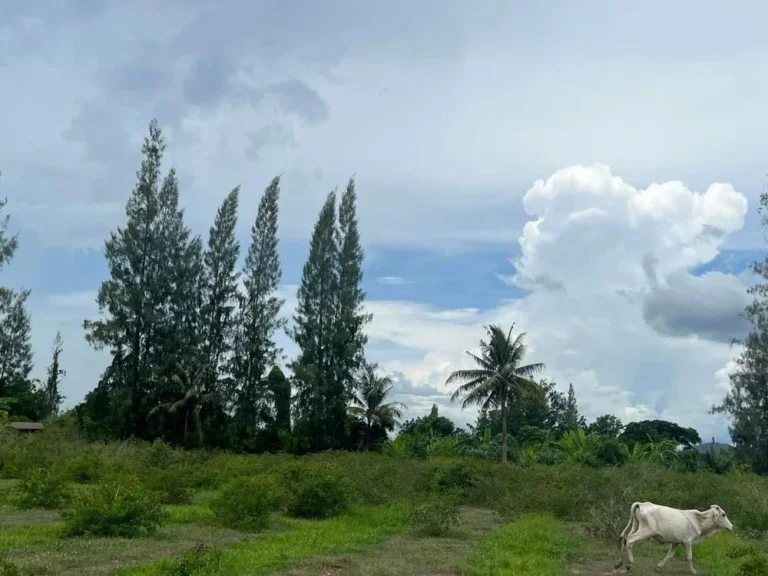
column 368, row 401
column 499, row 378
column 190, row 384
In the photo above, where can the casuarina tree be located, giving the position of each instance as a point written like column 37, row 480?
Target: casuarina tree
column 220, row 295
column 133, row 300
column 319, row 391
column 259, row 319
column 349, row 338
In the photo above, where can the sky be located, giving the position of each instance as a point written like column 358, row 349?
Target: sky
column 585, row 169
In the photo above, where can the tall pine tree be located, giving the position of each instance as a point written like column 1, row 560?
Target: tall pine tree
column 259, row 319
column 54, row 375
column 220, row 293
column 15, row 334
column 349, row 338
column 319, row 392
column 133, row 300
column 16, row 354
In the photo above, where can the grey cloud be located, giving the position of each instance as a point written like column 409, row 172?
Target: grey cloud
column 710, row 232
column 298, row 98
column 207, row 81
column 542, row 281
column 708, row 306
column 270, row 135
column 649, row 267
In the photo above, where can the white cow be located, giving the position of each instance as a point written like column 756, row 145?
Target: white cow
column 648, row 521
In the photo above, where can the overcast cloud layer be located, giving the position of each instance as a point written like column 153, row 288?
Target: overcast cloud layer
column 610, row 152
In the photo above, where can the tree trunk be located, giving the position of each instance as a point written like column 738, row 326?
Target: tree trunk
column 186, row 425
column 503, row 430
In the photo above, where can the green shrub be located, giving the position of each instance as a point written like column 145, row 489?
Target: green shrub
column 453, row 476
column 199, row 561
column 173, row 483
column 42, row 488
column 86, row 467
column 436, row 515
column 319, row 492
column 120, row 508
column 246, row 503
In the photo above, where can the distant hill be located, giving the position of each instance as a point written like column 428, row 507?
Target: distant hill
column 705, row 447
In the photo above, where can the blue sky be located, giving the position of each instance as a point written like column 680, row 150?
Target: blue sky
column 587, row 170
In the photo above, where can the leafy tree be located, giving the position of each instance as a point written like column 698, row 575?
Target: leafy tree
column 657, row 431
column 563, row 414
column 526, row 416
column 280, row 388
column 369, row 403
column 349, row 339
column 606, row 426
column 55, row 374
column 220, row 291
column 500, row 376
column 318, row 391
column 132, row 299
column 255, row 348
column 746, row 403
column 430, row 425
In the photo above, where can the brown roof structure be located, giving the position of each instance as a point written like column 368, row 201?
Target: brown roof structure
column 26, row 425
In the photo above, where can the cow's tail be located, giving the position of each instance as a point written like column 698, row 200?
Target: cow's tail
column 625, row 533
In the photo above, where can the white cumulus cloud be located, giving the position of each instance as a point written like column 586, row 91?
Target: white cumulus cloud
column 613, row 307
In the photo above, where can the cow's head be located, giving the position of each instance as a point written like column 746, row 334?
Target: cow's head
column 721, row 518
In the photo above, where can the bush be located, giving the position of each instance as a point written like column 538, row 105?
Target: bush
column 246, row 503
column 437, row 515
column 453, row 476
column 200, row 561
column 320, row 492
column 121, row 508
column 173, row 483
column 87, row 467
column 42, row 488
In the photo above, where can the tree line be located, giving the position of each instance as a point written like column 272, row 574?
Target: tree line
column 192, row 337
column 194, row 361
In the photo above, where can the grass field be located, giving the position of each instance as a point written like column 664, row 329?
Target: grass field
column 541, row 520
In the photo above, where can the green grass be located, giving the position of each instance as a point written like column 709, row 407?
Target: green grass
column 27, row 535
column 189, row 514
column 408, row 553
column 356, row 531
column 534, row 545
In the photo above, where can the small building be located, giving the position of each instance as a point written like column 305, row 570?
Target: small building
column 26, row 427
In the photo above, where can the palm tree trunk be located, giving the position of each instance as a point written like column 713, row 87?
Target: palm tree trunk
column 367, row 432
column 186, row 424
column 503, row 430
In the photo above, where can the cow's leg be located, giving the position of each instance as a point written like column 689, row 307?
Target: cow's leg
column 642, row 533
column 689, row 556
column 631, row 527
column 667, row 558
